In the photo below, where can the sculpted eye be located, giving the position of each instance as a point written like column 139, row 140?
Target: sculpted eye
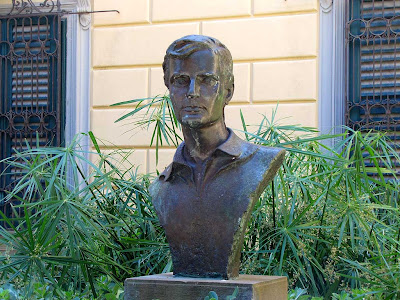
column 180, row 80
column 209, row 80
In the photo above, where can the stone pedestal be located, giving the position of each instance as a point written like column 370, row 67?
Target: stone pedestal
column 169, row 287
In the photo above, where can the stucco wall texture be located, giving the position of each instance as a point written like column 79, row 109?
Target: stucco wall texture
column 274, row 44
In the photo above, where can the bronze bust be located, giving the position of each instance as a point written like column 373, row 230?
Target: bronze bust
column 205, row 197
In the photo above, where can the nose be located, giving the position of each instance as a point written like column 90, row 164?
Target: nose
column 193, row 91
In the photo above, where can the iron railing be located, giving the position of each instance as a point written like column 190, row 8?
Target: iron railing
column 373, row 65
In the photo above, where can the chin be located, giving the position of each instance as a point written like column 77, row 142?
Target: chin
column 193, row 122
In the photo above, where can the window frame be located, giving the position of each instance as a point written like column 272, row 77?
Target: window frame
column 332, row 67
column 78, row 63
column 77, row 70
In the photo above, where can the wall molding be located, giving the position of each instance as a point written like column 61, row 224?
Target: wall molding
column 79, row 6
column 78, row 75
column 331, row 106
column 84, row 19
column 326, row 5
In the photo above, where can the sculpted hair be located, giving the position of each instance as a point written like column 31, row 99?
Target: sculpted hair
column 185, row 46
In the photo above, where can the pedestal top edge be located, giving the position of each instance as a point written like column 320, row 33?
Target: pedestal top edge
column 243, row 279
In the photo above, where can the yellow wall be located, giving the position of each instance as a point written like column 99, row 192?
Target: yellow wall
column 274, row 44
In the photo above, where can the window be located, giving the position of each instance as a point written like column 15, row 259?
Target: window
column 32, row 91
column 373, row 66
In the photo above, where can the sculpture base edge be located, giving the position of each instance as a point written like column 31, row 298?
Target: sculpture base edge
column 167, row 286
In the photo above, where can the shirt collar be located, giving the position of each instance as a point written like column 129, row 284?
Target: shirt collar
column 233, row 146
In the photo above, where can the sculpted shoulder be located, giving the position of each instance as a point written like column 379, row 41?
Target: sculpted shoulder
column 265, row 162
column 267, row 156
column 271, row 154
column 155, row 185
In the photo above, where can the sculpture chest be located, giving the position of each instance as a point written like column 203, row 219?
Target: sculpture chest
column 205, row 226
column 200, row 225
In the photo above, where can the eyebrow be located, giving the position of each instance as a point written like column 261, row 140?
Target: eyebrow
column 178, row 74
column 216, row 77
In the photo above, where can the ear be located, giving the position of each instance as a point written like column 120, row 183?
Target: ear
column 229, row 93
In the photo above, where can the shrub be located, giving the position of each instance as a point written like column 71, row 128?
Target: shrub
column 71, row 228
column 329, row 220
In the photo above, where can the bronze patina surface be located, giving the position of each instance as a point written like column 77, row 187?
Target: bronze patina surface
column 204, row 198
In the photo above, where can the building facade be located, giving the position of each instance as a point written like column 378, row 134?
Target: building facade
column 296, row 56
column 274, row 45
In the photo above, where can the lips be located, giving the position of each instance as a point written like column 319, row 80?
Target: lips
column 192, row 109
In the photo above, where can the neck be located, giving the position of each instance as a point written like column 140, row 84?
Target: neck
column 202, row 142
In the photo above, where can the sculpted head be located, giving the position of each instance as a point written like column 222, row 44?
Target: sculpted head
column 198, row 74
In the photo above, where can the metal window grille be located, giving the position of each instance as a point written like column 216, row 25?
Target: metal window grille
column 373, row 68
column 31, row 71
column 373, row 43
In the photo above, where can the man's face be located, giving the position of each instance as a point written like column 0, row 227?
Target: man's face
column 197, row 91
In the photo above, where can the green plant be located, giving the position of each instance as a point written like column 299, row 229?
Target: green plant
column 4, row 294
column 329, row 221
column 71, row 227
column 301, row 294
column 156, row 113
column 213, row 295
column 328, row 212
